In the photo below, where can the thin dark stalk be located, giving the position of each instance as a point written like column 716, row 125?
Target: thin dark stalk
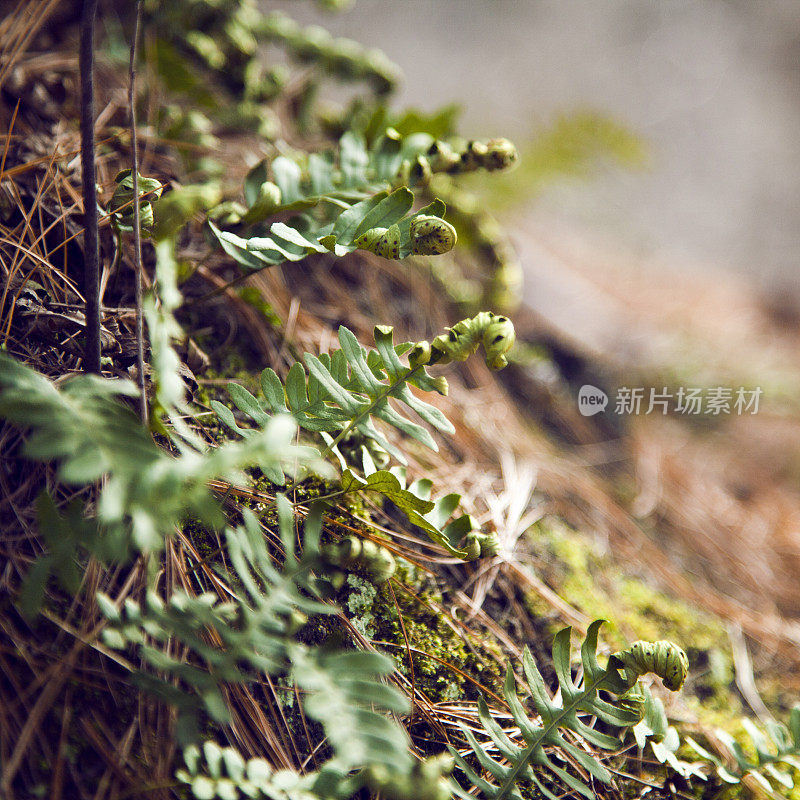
column 91, row 240
column 137, row 231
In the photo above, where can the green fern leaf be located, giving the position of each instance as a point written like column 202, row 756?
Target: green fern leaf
column 664, row 740
column 255, row 630
column 415, row 508
column 82, row 425
column 345, row 695
column 344, row 392
column 306, row 235
column 354, row 199
column 777, row 755
column 354, row 172
column 147, row 492
column 68, row 538
column 525, row 763
column 221, row 772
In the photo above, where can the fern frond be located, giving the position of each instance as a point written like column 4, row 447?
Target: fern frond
column 255, row 632
column 83, row 427
column 524, row 763
column 433, row 517
column 344, row 693
column 222, row 772
column 306, row 235
column 169, row 391
column 777, row 755
column 355, row 171
column 81, row 424
column 343, row 58
column 68, row 538
column 664, row 739
column 351, row 191
column 343, row 392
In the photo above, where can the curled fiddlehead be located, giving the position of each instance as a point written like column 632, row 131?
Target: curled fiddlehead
column 491, row 155
column 663, row 658
column 505, row 766
column 431, row 236
column 481, row 545
column 351, row 552
column 495, row 333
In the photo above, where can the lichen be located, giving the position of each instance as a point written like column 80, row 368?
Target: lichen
column 359, row 603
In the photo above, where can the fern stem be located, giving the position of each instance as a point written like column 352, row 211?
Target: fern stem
column 368, row 410
column 340, row 493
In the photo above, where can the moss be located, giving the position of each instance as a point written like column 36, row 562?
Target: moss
column 374, row 611
column 431, row 635
column 204, row 540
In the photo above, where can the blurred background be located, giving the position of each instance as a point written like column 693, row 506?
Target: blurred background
column 711, row 89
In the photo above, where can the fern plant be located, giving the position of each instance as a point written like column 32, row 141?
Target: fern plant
column 777, row 755
column 307, row 235
column 576, row 701
column 357, row 197
column 777, row 750
column 664, row 740
column 340, row 58
column 255, row 632
column 344, row 391
column 350, row 191
column 83, row 426
column 355, row 170
column 197, row 39
column 221, row 772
